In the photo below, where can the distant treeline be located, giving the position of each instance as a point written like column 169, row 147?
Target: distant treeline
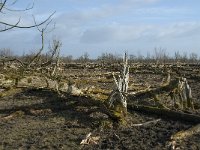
column 158, row 56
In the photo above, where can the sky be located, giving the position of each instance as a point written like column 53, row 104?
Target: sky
column 107, row 26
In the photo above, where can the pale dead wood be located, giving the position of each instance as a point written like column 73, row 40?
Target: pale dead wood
column 146, row 123
column 12, row 116
column 118, row 95
column 90, row 139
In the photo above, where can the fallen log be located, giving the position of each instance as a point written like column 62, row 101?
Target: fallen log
column 10, row 91
column 154, row 91
column 166, row 113
column 186, row 134
column 13, row 115
column 61, row 105
column 182, row 135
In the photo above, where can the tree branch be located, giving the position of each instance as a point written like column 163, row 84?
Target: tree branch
column 2, row 30
column 2, row 5
column 27, row 8
column 32, row 26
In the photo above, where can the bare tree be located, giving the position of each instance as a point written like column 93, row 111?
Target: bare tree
column 160, row 55
column 5, row 7
column 177, row 56
column 118, row 97
column 109, row 58
column 193, row 57
column 67, row 59
column 84, row 58
column 6, row 52
column 56, row 49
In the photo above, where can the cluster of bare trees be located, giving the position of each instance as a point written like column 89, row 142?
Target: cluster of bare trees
column 6, row 7
column 109, row 58
column 161, row 56
column 158, row 56
column 35, row 61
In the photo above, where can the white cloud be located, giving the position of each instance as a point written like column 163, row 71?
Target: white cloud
column 116, row 36
column 125, row 24
column 129, row 33
column 179, row 30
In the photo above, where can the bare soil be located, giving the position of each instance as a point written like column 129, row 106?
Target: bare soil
column 42, row 119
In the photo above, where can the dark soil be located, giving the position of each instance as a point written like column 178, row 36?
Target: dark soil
column 43, row 119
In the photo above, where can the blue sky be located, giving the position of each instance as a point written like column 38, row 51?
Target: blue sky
column 97, row 26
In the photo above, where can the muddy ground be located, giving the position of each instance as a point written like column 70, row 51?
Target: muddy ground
column 43, row 119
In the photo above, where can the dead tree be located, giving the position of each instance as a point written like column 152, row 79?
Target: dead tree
column 182, row 93
column 34, row 64
column 54, row 73
column 5, row 8
column 118, row 98
column 178, row 89
column 56, row 48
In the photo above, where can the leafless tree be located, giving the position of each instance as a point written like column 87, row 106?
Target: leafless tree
column 67, row 59
column 84, row 58
column 6, row 52
column 109, row 58
column 193, row 57
column 161, row 55
column 5, row 8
